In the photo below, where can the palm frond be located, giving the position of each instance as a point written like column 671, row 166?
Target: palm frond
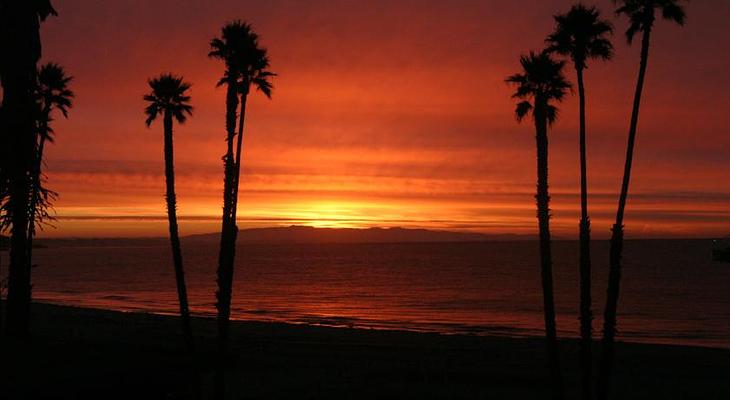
column 551, row 113
column 581, row 34
column 641, row 14
column 542, row 78
column 673, row 11
column 523, row 108
column 246, row 61
column 51, row 92
column 168, row 94
column 151, row 111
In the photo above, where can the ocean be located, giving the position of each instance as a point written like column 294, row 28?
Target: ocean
column 672, row 292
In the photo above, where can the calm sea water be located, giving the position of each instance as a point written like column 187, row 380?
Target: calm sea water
column 672, row 292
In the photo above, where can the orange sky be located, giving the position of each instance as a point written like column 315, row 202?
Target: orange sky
column 385, row 113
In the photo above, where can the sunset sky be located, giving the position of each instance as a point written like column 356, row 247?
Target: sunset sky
column 385, row 113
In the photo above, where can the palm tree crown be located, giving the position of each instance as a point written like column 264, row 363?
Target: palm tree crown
column 542, row 80
column 53, row 93
column 582, row 35
column 168, row 95
column 641, row 14
column 246, row 61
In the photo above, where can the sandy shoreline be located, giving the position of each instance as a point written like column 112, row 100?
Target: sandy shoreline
column 87, row 353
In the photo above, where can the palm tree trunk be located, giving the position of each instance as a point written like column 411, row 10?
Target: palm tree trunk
column 19, row 288
column 227, row 246
column 36, row 187
column 546, row 268
column 171, row 199
column 617, row 236
column 1, row 284
column 223, row 320
column 182, row 293
column 239, row 148
column 21, row 47
column 586, row 315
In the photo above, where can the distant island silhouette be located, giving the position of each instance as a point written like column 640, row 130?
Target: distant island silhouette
column 309, row 234
column 303, row 235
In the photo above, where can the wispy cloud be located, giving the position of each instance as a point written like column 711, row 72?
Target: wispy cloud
column 385, row 113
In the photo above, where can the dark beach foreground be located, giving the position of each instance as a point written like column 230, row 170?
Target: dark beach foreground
column 79, row 353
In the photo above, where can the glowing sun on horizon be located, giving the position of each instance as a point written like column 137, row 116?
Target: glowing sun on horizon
column 332, row 215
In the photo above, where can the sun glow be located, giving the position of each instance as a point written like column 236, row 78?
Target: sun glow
column 332, row 214
column 382, row 139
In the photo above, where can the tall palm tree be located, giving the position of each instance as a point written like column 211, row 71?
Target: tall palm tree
column 168, row 96
column 642, row 15
column 20, row 50
column 255, row 74
column 581, row 34
column 246, row 65
column 538, row 86
column 52, row 94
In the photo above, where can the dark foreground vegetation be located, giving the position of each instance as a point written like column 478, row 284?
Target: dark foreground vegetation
column 83, row 353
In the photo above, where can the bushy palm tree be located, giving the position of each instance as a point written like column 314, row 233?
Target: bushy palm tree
column 168, row 97
column 246, row 65
column 540, row 84
column 581, row 34
column 52, row 93
column 20, row 50
column 642, row 15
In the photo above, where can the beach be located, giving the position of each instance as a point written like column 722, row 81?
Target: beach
column 86, row 353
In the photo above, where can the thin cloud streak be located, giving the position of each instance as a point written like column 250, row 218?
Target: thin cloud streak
column 388, row 125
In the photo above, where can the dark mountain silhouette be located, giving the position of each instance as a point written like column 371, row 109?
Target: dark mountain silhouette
column 297, row 234
column 308, row 234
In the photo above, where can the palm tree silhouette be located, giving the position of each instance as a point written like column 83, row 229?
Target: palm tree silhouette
column 581, row 34
column 52, row 94
column 642, row 15
column 168, row 96
column 542, row 82
column 246, row 65
column 20, row 50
